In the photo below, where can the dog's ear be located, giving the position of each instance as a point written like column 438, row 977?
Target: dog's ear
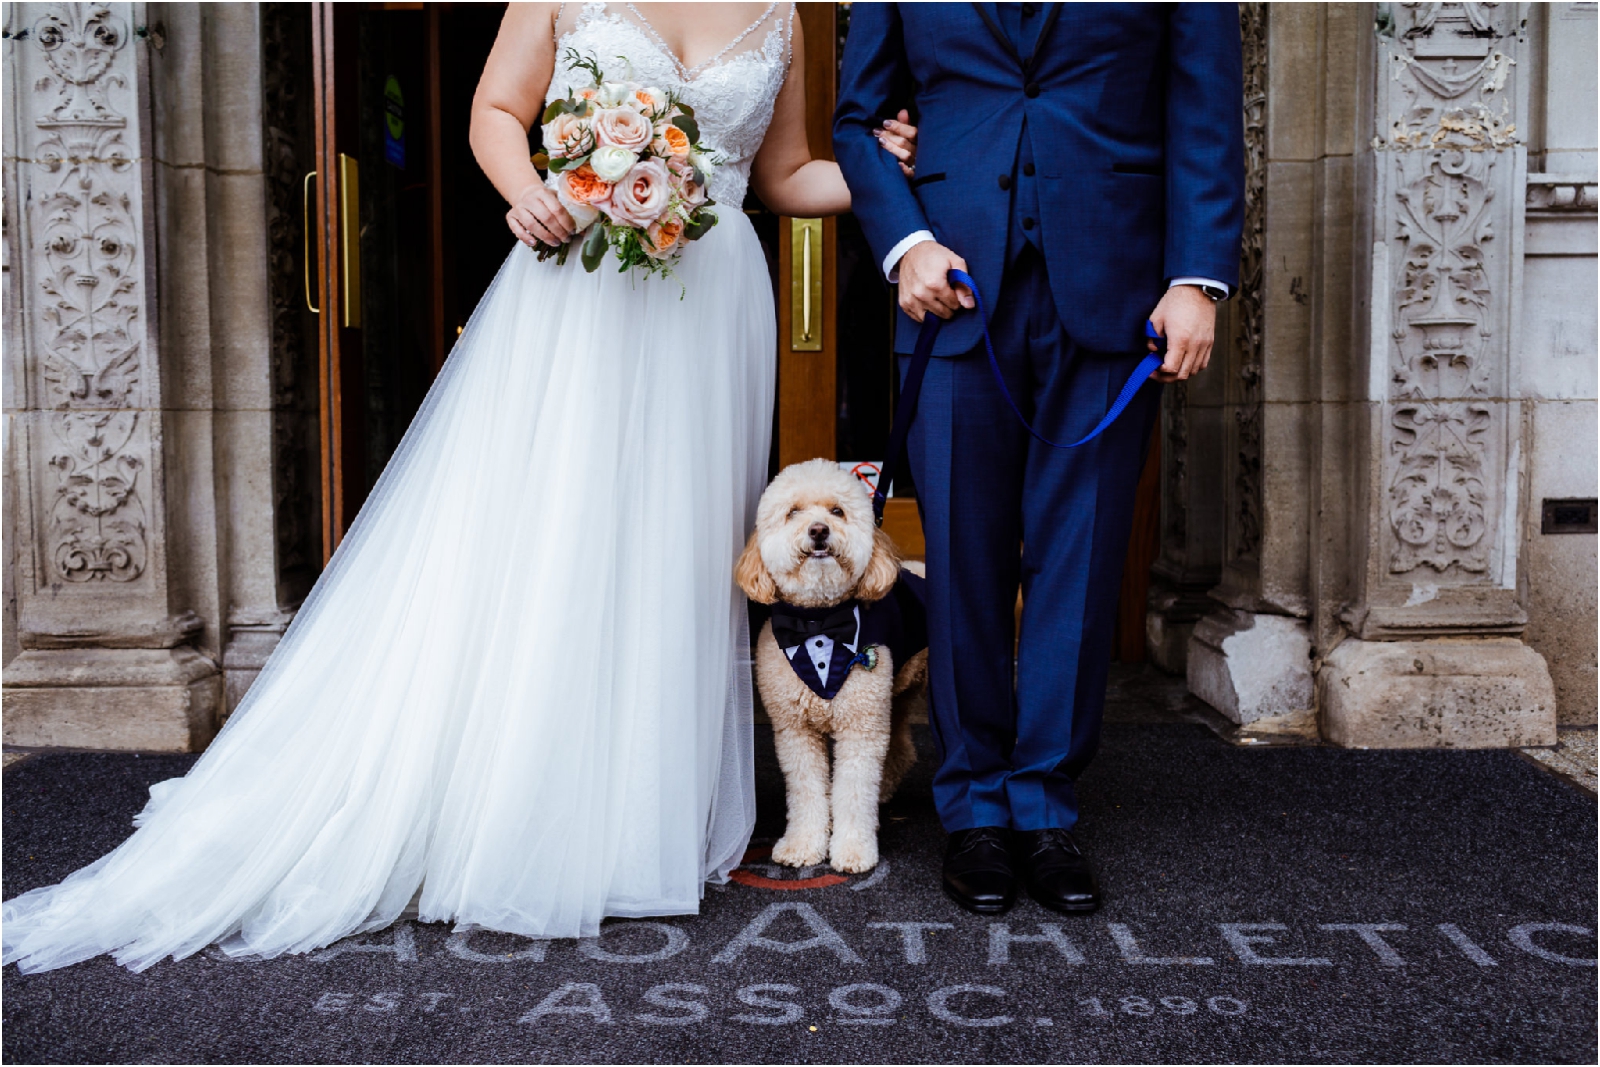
column 752, row 575
column 883, row 569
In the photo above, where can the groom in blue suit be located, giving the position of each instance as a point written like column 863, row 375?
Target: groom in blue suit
column 1084, row 163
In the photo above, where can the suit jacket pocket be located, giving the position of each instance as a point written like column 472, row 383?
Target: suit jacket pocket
column 927, row 179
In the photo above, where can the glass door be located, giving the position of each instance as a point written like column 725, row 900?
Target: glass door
column 403, row 233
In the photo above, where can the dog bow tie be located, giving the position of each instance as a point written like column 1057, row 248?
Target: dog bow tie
column 790, row 628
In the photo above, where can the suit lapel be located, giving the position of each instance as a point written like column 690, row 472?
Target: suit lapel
column 999, row 34
column 1054, row 12
column 1044, row 31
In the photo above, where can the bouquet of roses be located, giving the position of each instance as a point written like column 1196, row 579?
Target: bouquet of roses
column 625, row 161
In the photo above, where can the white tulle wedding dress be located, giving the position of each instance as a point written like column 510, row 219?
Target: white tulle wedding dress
column 522, row 686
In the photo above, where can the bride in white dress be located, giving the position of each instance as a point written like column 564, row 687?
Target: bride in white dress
column 520, row 693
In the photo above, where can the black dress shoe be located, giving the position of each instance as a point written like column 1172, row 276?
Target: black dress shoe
column 978, row 872
column 1057, row 872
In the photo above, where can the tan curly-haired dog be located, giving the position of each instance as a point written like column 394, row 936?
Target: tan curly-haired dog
column 815, row 546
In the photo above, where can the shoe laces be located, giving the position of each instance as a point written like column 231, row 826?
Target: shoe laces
column 1056, row 837
column 983, row 835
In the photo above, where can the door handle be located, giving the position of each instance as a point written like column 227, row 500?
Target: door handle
column 350, row 239
column 805, row 285
column 305, row 222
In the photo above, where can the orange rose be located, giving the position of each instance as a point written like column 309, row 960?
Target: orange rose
column 671, row 141
column 585, row 186
column 664, row 235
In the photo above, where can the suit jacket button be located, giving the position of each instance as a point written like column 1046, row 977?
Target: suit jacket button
column 1027, row 168
column 1005, row 182
column 1027, row 223
column 1031, row 90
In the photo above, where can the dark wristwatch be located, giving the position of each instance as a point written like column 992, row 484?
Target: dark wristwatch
column 1216, row 293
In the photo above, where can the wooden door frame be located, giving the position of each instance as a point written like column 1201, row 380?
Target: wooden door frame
column 324, row 212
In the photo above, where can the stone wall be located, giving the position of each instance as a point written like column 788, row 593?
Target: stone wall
column 1406, row 383
column 139, row 412
column 1556, row 332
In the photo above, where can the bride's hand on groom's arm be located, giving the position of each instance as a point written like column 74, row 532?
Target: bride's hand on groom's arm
column 899, row 138
column 925, row 286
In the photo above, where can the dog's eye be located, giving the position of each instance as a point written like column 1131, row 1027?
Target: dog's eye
column 837, row 511
column 793, row 512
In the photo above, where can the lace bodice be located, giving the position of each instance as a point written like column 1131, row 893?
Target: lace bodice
column 732, row 93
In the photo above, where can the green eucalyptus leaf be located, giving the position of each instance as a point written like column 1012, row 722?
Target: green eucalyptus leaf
column 594, row 248
column 556, row 107
column 687, row 124
column 698, row 226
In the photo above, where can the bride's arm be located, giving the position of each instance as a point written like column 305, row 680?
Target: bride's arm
column 785, row 177
column 507, row 104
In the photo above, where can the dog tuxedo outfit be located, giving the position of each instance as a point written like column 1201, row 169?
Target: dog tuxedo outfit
column 824, row 644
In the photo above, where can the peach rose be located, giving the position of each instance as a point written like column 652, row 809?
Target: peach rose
column 585, row 186
column 583, row 215
column 582, row 193
column 565, row 135
column 641, row 197
column 623, row 127
column 664, row 237
column 670, row 141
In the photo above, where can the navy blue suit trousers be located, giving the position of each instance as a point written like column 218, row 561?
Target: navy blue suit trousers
column 998, row 509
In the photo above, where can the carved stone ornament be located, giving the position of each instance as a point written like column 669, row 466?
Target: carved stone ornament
column 1547, row 193
column 85, row 263
column 1449, row 146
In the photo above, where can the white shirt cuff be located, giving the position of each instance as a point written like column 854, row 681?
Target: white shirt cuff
column 1226, row 292
column 891, row 262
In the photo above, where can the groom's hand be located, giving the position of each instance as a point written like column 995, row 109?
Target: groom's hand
column 1187, row 318
column 925, row 282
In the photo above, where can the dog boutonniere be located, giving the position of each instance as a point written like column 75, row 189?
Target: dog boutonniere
column 867, row 657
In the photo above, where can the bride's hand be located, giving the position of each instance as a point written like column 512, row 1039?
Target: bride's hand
column 537, row 217
column 899, row 139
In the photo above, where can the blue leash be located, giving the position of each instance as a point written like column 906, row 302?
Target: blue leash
column 919, row 368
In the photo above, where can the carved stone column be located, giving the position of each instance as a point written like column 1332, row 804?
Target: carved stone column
column 1250, row 656
column 1435, row 656
column 108, row 657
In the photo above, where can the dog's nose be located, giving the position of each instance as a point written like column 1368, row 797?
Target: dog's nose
column 818, row 532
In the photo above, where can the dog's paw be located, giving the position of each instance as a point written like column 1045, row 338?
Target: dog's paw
column 853, row 853
column 799, row 851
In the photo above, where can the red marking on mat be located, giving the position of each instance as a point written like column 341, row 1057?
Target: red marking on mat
column 757, row 881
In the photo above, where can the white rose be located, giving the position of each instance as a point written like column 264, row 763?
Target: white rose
column 612, row 94
column 612, row 164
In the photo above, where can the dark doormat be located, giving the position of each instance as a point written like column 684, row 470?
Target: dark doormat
column 1293, row 904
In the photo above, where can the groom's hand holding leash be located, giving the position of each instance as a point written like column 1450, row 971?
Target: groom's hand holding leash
column 1187, row 318
column 925, row 282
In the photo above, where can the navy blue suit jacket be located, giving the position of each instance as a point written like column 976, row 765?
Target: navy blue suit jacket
column 1136, row 124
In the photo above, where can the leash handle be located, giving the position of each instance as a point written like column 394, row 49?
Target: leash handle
column 912, row 389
